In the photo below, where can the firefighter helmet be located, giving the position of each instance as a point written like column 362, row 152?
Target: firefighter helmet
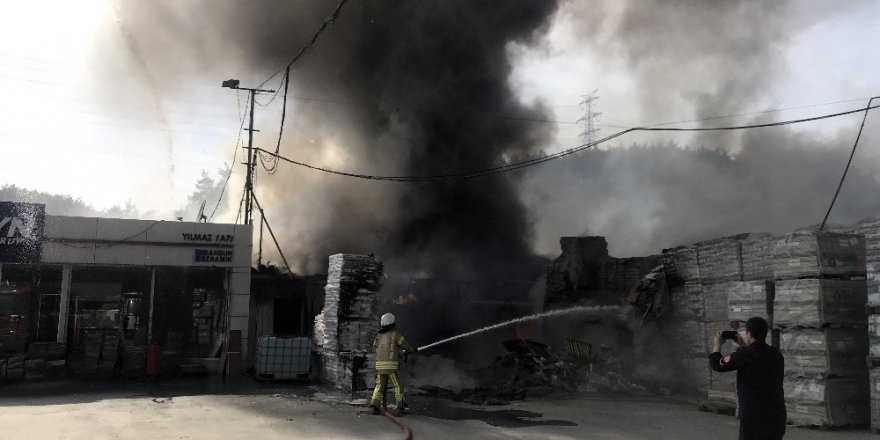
column 387, row 319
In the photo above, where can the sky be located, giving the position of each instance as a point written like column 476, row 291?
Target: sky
column 140, row 134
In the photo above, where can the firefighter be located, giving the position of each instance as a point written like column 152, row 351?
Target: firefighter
column 388, row 346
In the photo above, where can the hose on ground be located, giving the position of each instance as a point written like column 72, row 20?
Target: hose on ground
column 407, row 433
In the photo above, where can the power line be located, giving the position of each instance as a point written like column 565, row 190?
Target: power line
column 711, row 118
column 848, row 162
column 561, row 122
column 272, row 234
column 542, row 159
column 286, row 80
column 329, row 20
column 271, row 169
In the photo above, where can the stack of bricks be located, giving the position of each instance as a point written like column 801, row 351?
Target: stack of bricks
column 350, row 320
column 819, row 309
column 716, row 283
column 870, row 228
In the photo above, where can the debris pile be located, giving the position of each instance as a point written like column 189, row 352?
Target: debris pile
column 529, row 369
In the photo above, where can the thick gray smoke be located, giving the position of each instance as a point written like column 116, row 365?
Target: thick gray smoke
column 417, row 88
column 646, row 198
column 695, row 59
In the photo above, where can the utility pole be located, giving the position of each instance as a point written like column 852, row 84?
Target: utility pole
column 249, row 181
column 590, row 131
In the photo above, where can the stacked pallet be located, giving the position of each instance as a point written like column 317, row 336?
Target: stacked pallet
column 757, row 257
column 689, row 333
column 720, row 262
column 819, row 308
column 349, row 320
column 97, row 354
column 12, row 367
column 870, row 228
column 45, row 359
column 714, row 283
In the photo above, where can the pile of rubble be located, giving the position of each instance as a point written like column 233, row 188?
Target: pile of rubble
column 529, row 370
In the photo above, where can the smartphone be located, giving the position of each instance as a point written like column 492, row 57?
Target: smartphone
column 729, row 334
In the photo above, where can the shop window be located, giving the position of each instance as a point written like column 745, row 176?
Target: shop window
column 189, row 318
column 106, row 316
column 28, row 294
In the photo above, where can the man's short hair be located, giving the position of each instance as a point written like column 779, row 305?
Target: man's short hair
column 758, row 327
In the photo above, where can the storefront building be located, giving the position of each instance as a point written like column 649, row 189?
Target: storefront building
column 105, row 289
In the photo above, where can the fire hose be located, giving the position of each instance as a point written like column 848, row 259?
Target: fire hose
column 407, row 433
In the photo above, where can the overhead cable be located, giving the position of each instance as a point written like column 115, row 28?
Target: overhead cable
column 274, row 161
column 329, row 20
column 286, row 80
column 278, row 247
column 848, row 163
column 545, row 158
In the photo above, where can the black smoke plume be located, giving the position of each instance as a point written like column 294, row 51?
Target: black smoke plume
column 417, row 88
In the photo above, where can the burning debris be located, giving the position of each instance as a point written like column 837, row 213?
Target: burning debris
column 531, row 369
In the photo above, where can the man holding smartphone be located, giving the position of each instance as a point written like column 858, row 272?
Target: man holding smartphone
column 759, row 371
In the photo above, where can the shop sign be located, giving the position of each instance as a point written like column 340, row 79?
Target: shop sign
column 21, row 232
column 213, row 255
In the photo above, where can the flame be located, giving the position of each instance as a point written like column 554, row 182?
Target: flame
column 405, row 299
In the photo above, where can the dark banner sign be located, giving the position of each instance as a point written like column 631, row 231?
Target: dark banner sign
column 21, row 232
column 213, row 255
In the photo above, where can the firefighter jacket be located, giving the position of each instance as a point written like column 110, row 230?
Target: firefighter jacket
column 759, row 373
column 388, row 346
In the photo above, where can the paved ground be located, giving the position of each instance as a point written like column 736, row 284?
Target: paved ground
column 211, row 409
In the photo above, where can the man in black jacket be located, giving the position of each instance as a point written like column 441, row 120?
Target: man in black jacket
column 759, row 370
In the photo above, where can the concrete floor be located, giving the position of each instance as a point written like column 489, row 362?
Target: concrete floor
column 243, row 409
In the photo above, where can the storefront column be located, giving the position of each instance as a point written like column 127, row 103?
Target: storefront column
column 64, row 305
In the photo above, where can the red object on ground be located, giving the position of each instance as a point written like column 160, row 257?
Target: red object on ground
column 154, row 355
column 407, row 433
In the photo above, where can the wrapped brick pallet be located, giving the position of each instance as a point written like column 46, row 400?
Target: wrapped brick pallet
column 715, row 300
column 721, row 394
column 875, row 398
column 681, row 266
column 687, row 302
column 832, row 402
column 874, row 335
column 818, row 254
column 746, row 299
column 720, row 260
column 817, row 302
column 348, row 323
column 870, row 228
column 824, row 352
column 757, row 257
column 689, row 334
